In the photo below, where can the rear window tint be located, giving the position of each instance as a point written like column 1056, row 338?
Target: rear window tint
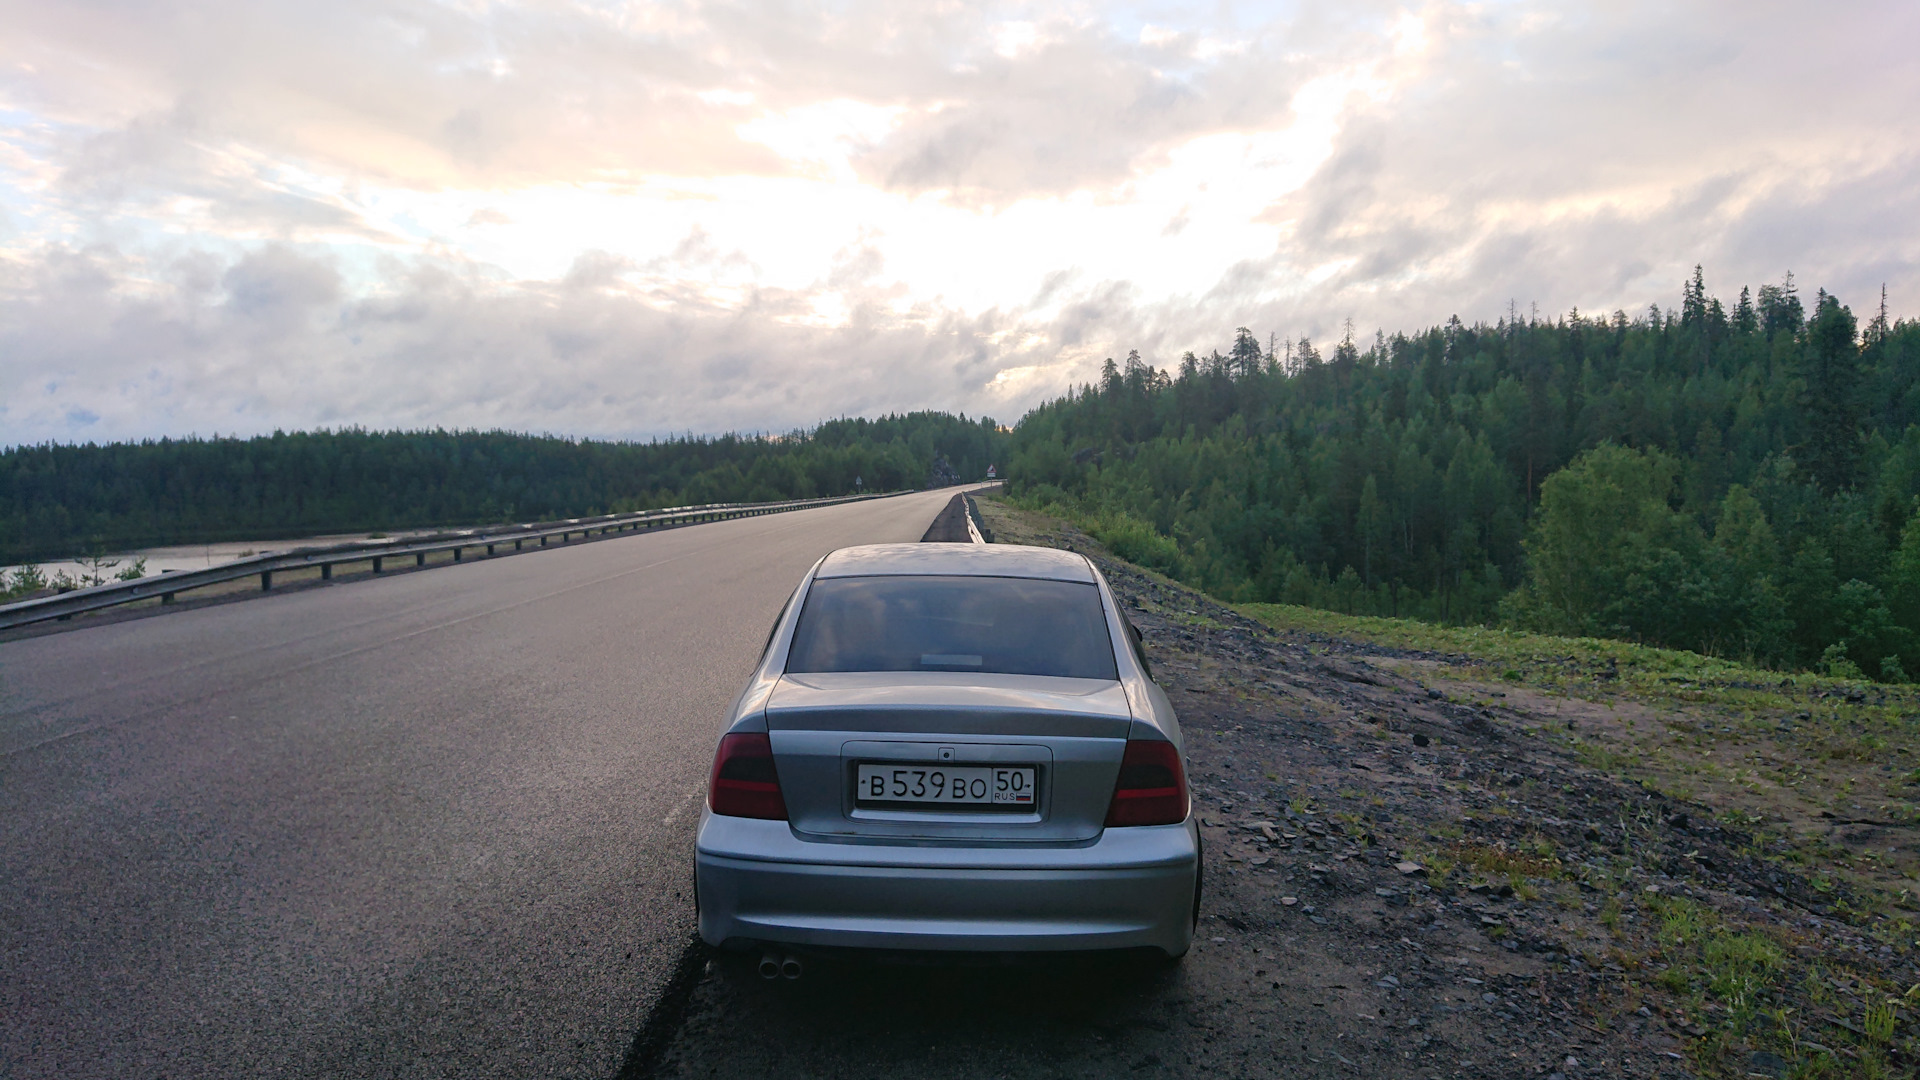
column 1006, row 626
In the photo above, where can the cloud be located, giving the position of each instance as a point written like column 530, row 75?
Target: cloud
column 274, row 343
column 639, row 219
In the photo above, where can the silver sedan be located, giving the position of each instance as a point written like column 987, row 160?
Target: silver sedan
column 946, row 748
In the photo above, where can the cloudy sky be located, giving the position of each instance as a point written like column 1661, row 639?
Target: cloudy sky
column 630, row 219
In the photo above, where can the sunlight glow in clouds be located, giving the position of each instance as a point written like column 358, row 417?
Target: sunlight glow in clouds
column 633, row 219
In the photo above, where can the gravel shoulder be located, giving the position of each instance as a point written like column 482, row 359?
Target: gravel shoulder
column 1406, row 875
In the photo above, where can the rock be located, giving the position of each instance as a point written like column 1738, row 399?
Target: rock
column 1289, row 901
column 1388, row 982
column 1479, row 888
column 1420, row 740
column 1410, row 868
column 1489, row 997
column 1435, row 695
column 1488, row 920
column 1767, row 1063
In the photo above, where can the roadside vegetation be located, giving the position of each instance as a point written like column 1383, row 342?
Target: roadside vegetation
column 1733, row 479
column 1793, row 757
column 95, row 569
column 1704, row 856
column 1815, row 779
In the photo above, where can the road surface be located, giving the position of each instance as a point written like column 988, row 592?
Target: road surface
column 431, row 825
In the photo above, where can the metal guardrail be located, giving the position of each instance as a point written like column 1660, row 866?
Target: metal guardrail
column 114, row 593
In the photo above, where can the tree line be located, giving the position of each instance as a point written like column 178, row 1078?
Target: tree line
column 1733, row 478
column 63, row 500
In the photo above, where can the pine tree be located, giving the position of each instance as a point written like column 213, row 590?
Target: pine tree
column 1744, row 321
column 1780, row 310
column 1878, row 329
column 1246, row 354
column 1693, row 300
column 1831, row 404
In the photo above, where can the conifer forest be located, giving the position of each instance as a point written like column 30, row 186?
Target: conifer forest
column 60, row 500
column 1736, row 478
column 1739, row 478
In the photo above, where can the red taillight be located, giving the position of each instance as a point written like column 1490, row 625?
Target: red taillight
column 743, row 782
column 1152, row 789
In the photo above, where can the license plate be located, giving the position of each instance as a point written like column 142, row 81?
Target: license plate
column 949, row 785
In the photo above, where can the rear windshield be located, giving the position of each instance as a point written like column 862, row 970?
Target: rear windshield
column 1007, row 626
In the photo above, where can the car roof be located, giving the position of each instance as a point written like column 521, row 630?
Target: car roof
column 977, row 560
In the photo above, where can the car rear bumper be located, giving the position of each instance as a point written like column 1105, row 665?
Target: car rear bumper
column 760, row 884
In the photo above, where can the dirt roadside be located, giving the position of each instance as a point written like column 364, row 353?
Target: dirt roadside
column 1402, row 879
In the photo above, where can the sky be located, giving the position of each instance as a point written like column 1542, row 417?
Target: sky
column 633, row 220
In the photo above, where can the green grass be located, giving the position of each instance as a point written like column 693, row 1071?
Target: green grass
column 1742, row 700
column 1514, row 655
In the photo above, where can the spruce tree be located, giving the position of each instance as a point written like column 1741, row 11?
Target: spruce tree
column 1831, row 404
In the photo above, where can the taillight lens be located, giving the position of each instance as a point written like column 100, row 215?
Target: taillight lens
column 743, row 782
column 1152, row 789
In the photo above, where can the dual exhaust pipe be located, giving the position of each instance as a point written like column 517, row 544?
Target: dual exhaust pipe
column 775, row 966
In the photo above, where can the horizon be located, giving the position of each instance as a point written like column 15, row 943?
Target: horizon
column 1066, row 392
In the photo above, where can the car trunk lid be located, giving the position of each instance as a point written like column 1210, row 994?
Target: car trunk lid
column 1070, row 734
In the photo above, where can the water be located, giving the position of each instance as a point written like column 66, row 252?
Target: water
column 191, row 556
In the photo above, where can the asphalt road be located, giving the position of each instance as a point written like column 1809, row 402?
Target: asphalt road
column 433, row 825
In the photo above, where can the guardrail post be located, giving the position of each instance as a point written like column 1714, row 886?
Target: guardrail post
column 419, row 558
column 266, row 580
column 166, row 598
column 326, row 571
column 376, row 564
column 489, row 550
column 456, row 554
